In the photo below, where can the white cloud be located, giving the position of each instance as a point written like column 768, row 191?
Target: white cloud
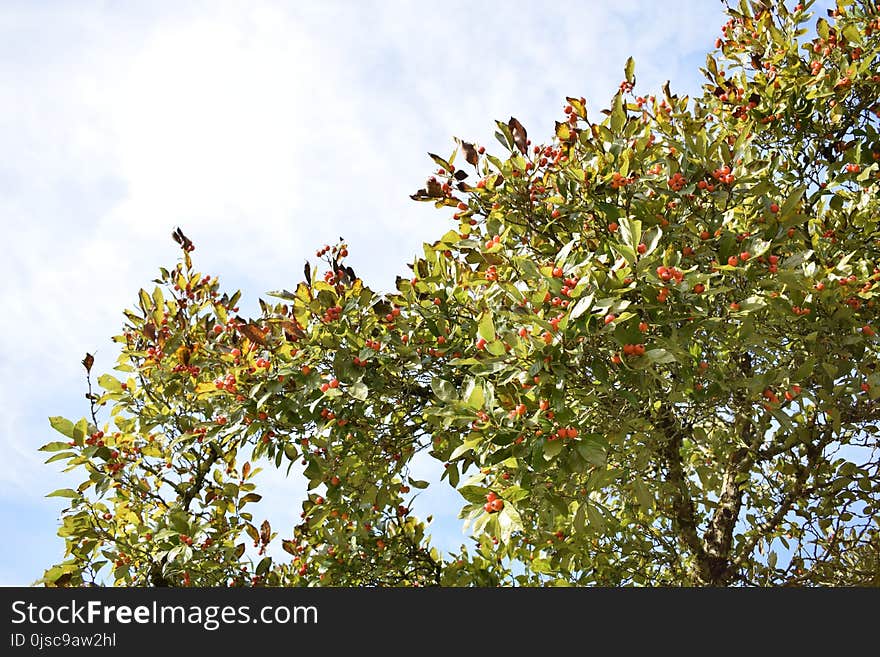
column 263, row 129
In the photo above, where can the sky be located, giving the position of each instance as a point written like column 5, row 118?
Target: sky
column 264, row 130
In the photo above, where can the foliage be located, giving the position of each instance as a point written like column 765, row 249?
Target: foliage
column 645, row 354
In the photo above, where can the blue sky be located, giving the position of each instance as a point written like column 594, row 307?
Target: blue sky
column 263, row 129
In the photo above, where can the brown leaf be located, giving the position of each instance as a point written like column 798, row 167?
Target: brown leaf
column 470, row 153
column 432, row 190
column 245, row 469
column 435, row 189
column 150, row 331
column 254, row 333
column 265, row 532
column 347, row 275
column 289, row 547
column 63, row 580
column 292, row 330
column 519, row 135
column 185, row 242
column 88, row 361
column 382, row 307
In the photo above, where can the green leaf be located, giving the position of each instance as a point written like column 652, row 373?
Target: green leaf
column 440, row 161
column 646, row 500
column 55, row 446
column 486, row 327
column 597, row 520
column 509, row 521
column 110, row 382
column 158, row 297
column 263, row 566
column 515, row 493
column 62, row 425
column 592, row 452
column 851, row 32
column 474, row 494
column 444, row 390
column 618, row 114
column 418, row 483
column 64, row 492
column 791, row 202
column 651, row 238
column 797, row 259
column 583, row 305
column 359, row 390
column 290, row 451
column 496, row 348
column 631, row 232
column 563, row 131
column 473, row 394
column 466, row 446
column 580, row 518
column 552, row 448
column 660, row 356
column 629, row 70
column 79, row 430
column 60, row 456
column 564, row 252
column 145, row 301
column 711, row 65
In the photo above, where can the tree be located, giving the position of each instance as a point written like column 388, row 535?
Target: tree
column 646, row 354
